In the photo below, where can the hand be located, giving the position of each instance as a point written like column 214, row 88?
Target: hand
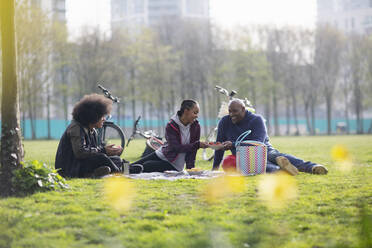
column 112, row 150
column 227, row 145
column 203, row 144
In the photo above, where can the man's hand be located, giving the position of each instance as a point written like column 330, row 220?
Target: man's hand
column 203, row 144
column 227, row 145
column 112, row 150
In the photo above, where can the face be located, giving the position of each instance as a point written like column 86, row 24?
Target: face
column 190, row 115
column 236, row 112
column 99, row 124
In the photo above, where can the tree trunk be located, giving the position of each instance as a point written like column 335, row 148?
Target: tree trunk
column 267, row 116
column 48, row 113
column 275, row 109
column 295, row 117
column 144, row 114
column 347, row 111
column 358, row 106
column 288, row 115
column 11, row 146
column 204, row 109
column 312, row 110
column 329, row 111
column 307, row 116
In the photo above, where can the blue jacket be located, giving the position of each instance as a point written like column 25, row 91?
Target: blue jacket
column 228, row 131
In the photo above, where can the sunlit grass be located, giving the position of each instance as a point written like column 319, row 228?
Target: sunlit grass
column 328, row 211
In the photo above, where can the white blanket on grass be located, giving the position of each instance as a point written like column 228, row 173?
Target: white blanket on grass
column 176, row 175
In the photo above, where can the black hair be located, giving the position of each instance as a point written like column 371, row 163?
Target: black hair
column 186, row 104
column 91, row 108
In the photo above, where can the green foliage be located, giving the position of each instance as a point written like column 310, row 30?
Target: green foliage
column 37, row 177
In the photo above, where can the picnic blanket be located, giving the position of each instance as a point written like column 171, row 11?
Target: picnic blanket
column 176, row 175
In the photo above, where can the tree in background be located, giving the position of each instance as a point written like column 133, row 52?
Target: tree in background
column 11, row 146
column 329, row 45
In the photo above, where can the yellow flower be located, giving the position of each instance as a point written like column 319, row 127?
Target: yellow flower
column 341, row 155
column 119, row 193
column 277, row 190
column 223, row 187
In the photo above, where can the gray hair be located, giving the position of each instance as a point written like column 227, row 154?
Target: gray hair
column 238, row 101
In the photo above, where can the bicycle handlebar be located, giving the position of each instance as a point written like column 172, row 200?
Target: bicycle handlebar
column 108, row 94
column 225, row 91
column 135, row 125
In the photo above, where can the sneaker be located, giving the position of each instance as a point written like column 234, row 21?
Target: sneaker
column 286, row 165
column 135, row 168
column 319, row 169
column 101, row 171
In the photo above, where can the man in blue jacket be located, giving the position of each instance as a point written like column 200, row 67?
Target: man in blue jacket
column 240, row 120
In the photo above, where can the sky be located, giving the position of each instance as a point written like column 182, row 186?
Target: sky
column 226, row 13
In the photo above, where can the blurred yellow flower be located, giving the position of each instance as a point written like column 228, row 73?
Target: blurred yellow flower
column 341, row 155
column 277, row 190
column 119, row 193
column 222, row 187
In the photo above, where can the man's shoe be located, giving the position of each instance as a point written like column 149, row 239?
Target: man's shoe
column 101, row 171
column 135, row 169
column 319, row 169
column 286, row 165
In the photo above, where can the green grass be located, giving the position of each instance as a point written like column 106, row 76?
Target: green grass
column 328, row 212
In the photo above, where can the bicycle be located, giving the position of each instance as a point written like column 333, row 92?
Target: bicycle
column 223, row 110
column 110, row 133
column 153, row 141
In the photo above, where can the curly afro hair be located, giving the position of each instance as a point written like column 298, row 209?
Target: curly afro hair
column 91, row 108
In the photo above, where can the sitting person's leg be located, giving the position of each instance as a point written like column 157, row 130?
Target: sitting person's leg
column 90, row 165
column 291, row 163
column 152, row 163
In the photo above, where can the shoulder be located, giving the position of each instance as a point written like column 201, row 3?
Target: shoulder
column 74, row 129
column 256, row 119
column 195, row 124
column 172, row 126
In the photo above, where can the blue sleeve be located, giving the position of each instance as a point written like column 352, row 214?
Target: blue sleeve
column 258, row 127
column 218, row 154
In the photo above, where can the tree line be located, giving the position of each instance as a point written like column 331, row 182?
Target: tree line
column 286, row 72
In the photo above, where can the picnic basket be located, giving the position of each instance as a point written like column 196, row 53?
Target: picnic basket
column 251, row 156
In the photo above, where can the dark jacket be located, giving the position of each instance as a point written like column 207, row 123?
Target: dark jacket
column 173, row 146
column 75, row 144
column 229, row 131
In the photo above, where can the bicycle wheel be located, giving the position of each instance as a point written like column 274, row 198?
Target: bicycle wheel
column 110, row 133
column 208, row 154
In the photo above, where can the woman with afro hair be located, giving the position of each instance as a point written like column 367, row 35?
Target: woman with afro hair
column 78, row 153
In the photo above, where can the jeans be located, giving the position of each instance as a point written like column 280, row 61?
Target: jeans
column 152, row 163
column 300, row 164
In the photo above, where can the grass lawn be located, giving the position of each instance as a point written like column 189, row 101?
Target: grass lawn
column 329, row 211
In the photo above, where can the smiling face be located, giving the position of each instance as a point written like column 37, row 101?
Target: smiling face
column 236, row 112
column 190, row 115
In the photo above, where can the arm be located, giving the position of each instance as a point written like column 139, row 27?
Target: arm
column 80, row 148
column 218, row 154
column 190, row 156
column 258, row 127
column 174, row 142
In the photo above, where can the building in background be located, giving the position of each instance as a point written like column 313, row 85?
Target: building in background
column 350, row 16
column 55, row 9
column 128, row 13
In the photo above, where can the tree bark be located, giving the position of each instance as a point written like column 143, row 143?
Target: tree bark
column 11, row 146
